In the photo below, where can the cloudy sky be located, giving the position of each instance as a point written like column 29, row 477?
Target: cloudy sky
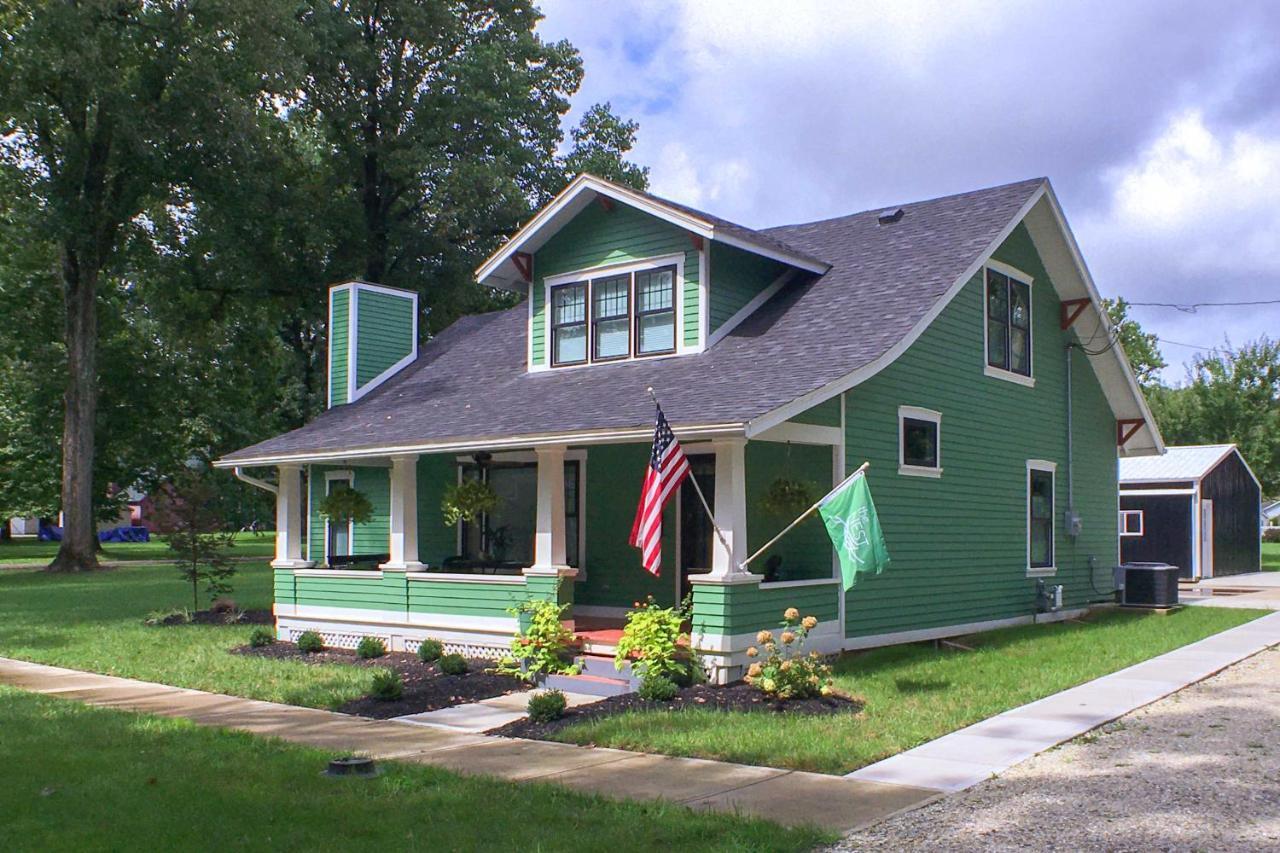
column 1158, row 123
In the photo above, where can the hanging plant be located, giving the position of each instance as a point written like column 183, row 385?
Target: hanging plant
column 467, row 500
column 788, row 497
column 344, row 504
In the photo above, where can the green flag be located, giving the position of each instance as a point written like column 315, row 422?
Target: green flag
column 850, row 516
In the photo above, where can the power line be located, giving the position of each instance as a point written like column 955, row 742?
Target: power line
column 1190, row 307
column 1180, row 344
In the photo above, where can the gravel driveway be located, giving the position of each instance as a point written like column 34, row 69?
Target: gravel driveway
column 1198, row 770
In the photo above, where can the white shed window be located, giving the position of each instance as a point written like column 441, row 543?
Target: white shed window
column 1130, row 522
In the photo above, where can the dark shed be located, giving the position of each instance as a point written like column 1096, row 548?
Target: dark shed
column 1198, row 508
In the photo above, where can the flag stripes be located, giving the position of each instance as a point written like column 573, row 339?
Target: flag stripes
column 668, row 467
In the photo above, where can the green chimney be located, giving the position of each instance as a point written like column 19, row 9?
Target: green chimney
column 373, row 332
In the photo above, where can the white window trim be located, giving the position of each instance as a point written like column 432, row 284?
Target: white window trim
column 1127, row 513
column 998, row 372
column 349, row 475
column 1052, row 469
column 529, row 457
column 916, row 413
column 603, row 271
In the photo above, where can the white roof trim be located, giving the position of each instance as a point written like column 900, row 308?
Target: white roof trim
column 1205, row 470
column 498, row 271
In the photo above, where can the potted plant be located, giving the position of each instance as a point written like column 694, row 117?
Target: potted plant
column 787, row 497
column 345, row 504
column 467, row 501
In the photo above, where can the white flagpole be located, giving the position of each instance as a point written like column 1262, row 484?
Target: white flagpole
column 701, row 497
column 808, row 512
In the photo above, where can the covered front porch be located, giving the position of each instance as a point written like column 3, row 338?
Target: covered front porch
column 559, row 533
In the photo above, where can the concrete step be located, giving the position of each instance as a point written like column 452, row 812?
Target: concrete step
column 592, row 685
column 602, row 665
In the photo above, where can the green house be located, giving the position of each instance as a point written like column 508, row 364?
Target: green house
column 958, row 345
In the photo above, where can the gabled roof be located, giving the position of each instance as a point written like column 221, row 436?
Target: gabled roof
column 1177, row 464
column 500, row 270
column 470, row 387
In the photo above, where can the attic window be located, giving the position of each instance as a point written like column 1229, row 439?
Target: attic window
column 624, row 314
column 891, row 215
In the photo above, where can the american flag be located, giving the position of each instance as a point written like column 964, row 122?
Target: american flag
column 667, row 469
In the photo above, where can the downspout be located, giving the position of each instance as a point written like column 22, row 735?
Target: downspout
column 254, row 481
column 1071, row 486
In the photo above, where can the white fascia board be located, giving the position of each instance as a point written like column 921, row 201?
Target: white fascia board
column 774, row 254
column 686, row 433
column 862, row 374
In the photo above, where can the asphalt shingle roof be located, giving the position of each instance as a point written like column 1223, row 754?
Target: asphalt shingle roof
column 470, row 381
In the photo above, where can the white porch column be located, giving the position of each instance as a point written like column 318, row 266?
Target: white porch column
column 404, row 514
column 289, row 526
column 730, row 507
column 549, row 556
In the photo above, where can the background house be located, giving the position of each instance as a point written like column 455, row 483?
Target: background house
column 1197, row 508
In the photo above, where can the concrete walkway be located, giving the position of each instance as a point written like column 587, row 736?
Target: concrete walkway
column 1255, row 590
column 477, row 717
column 783, row 796
column 968, row 756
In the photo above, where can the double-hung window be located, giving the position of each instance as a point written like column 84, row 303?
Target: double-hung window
column 617, row 316
column 1040, row 508
column 1008, row 323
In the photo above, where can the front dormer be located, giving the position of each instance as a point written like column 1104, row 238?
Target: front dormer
column 614, row 275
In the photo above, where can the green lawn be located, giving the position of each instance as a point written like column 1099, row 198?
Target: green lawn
column 914, row 693
column 31, row 551
column 1271, row 556
column 83, row 778
column 93, row 622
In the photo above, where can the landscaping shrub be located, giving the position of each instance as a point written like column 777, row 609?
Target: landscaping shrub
column 546, row 706
column 657, row 688
column 370, row 648
column 786, row 671
column 430, row 650
column 223, row 604
column 387, row 686
column 161, row 617
column 543, row 647
column 453, row 665
column 1271, row 534
column 655, row 644
column 262, row 636
column 310, row 642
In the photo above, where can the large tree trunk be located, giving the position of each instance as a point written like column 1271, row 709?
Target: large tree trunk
column 78, row 551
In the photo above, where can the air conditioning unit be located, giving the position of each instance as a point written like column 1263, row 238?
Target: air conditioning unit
column 1150, row 585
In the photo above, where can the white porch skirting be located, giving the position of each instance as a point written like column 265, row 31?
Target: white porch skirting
column 472, row 636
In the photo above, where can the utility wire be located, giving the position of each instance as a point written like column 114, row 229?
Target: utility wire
column 1190, row 307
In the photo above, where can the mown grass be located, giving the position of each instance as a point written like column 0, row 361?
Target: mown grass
column 915, row 693
column 83, row 778
column 32, row 551
column 1271, row 556
column 93, row 622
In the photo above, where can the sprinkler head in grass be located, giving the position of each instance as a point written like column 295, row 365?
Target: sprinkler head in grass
column 352, row 766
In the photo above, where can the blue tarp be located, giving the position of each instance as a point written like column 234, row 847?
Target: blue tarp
column 125, row 533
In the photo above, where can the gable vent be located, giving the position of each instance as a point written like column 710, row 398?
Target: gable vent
column 891, row 215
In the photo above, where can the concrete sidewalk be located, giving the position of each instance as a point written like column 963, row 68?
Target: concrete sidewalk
column 783, row 796
column 968, row 756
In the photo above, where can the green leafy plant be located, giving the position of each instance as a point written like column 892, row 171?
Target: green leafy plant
column 786, row 672
column 344, row 504
column 370, row 648
column 547, row 705
column 541, row 648
column 387, row 685
column 262, row 636
column 198, row 540
column 657, row 688
column 310, row 642
column 466, row 501
column 453, row 664
column 656, row 645
column 787, row 497
column 429, row 650
column 1271, row 534
column 167, row 617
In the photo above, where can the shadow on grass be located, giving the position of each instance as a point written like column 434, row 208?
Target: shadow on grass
column 920, row 685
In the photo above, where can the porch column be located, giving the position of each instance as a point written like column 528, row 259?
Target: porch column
column 289, row 526
column 548, row 542
column 730, row 507
column 404, row 514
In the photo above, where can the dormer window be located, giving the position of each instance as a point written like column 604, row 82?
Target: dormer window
column 615, row 316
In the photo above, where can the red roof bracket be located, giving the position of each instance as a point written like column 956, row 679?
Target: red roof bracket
column 1126, row 429
column 1071, row 311
column 524, row 264
column 606, row 203
column 696, row 241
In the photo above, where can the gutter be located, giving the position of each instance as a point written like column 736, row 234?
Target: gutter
column 254, row 481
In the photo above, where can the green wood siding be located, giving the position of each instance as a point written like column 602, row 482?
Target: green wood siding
column 826, row 413
column 385, row 324
column 339, row 307
column 435, row 541
column 372, row 537
column 284, row 586
column 371, row 593
column 465, row 599
column 596, row 237
column 737, row 277
column 743, row 608
column 958, row 543
column 805, row 551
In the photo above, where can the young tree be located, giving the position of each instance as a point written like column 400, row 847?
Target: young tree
column 104, row 106
column 198, row 538
column 1141, row 347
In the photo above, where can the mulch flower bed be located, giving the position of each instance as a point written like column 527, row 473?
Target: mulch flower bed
column 733, row 697
column 426, row 688
column 220, row 617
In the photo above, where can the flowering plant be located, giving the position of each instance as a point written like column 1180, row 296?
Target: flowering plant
column 655, row 641
column 785, row 671
column 543, row 646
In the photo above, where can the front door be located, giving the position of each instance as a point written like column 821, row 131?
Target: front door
column 337, row 536
column 697, row 536
column 1206, row 539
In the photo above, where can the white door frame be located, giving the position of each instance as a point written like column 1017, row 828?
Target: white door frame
column 330, row 477
column 1206, row 538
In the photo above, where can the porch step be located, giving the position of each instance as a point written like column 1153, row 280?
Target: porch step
column 602, row 665
column 592, row 685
